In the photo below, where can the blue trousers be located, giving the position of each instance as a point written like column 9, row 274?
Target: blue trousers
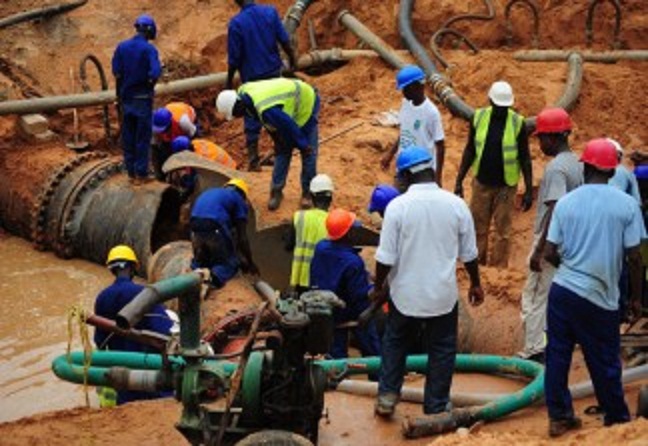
column 213, row 248
column 367, row 338
column 572, row 319
column 251, row 126
column 283, row 156
column 440, row 345
column 136, row 132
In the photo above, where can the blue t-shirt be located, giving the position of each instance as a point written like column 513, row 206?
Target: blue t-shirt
column 224, row 205
column 137, row 64
column 625, row 181
column 252, row 38
column 338, row 268
column 592, row 227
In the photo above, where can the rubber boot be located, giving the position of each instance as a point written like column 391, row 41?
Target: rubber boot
column 253, row 157
column 275, row 199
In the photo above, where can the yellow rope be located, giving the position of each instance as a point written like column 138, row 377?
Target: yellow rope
column 77, row 315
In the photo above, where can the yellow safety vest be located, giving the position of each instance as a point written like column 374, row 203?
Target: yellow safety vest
column 514, row 123
column 310, row 228
column 296, row 97
column 213, row 152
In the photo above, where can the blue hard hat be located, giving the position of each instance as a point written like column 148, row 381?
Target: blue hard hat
column 161, row 120
column 146, row 23
column 409, row 74
column 180, row 144
column 411, row 157
column 641, row 172
column 381, row 196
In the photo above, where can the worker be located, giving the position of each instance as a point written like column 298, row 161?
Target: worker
column 416, row 268
column 308, row 228
column 380, row 198
column 497, row 149
column 122, row 262
column 169, row 122
column 623, row 178
column 253, row 39
column 136, row 67
column 218, row 216
column 288, row 109
column 419, row 120
column 562, row 174
column 337, row 267
column 592, row 228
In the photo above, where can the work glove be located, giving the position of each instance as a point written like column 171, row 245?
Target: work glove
column 527, row 200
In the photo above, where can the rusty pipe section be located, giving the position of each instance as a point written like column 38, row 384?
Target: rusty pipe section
column 531, row 6
column 588, row 56
column 589, row 22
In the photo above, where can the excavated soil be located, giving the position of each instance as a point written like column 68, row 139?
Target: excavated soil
column 36, row 59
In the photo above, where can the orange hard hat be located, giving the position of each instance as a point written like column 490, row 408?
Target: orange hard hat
column 601, row 154
column 338, row 223
column 553, row 120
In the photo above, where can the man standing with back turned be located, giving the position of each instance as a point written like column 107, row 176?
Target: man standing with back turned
column 136, row 67
column 252, row 50
column 418, row 267
column 497, row 149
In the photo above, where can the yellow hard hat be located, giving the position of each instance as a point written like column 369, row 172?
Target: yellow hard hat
column 239, row 183
column 121, row 253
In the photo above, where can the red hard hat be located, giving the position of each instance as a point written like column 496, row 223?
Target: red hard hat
column 601, row 154
column 553, row 120
column 338, row 223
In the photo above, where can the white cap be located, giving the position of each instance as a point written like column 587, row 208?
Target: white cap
column 225, row 103
column 321, row 183
column 617, row 146
column 501, row 94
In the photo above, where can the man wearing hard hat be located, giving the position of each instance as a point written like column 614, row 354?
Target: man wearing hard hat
column 498, row 151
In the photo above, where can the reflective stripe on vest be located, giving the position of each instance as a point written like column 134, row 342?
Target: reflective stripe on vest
column 297, row 98
column 310, row 228
column 514, row 123
column 213, row 152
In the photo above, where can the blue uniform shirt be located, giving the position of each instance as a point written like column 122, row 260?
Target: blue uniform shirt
column 111, row 300
column 252, row 38
column 137, row 64
column 592, row 226
column 338, row 268
column 626, row 182
column 224, row 205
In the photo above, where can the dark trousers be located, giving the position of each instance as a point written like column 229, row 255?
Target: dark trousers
column 440, row 344
column 252, row 126
column 213, row 248
column 572, row 319
column 160, row 153
column 136, row 132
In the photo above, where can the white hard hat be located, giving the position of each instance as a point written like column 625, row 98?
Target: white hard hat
column 321, row 183
column 501, row 94
column 225, row 103
column 617, row 146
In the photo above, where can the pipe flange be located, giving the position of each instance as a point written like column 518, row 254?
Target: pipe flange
column 63, row 245
column 39, row 212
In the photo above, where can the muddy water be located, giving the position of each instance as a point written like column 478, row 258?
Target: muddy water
column 36, row 291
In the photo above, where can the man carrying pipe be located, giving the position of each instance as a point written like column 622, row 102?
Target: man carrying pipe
column 136, row 67
column 561, row 175
column 338, row 267
column 218, row 215
column 497, row 149
column 288, row 109
column 253, row 39
column 122, row 262
column 416, row 266
column 591, row 230
column 169, row 122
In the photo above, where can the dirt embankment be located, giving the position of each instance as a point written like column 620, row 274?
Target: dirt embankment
column 192, row 40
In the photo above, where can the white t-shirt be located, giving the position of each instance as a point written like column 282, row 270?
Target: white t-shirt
column 424, row 231
column 420, row 126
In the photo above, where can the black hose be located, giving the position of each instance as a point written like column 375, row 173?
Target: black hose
column 104, row 86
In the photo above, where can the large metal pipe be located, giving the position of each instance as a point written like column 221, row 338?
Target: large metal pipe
column 40, row 13
column 588, row 56
column 295, row 14
column 589, row 22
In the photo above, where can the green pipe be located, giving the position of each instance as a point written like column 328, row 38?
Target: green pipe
column 102, row 360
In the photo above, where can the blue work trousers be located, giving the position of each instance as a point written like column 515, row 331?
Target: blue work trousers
column 136, row 132
column 283, row 157
column 366, row 337
column 572, row 319
column 213, row 248
column 440, row 345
